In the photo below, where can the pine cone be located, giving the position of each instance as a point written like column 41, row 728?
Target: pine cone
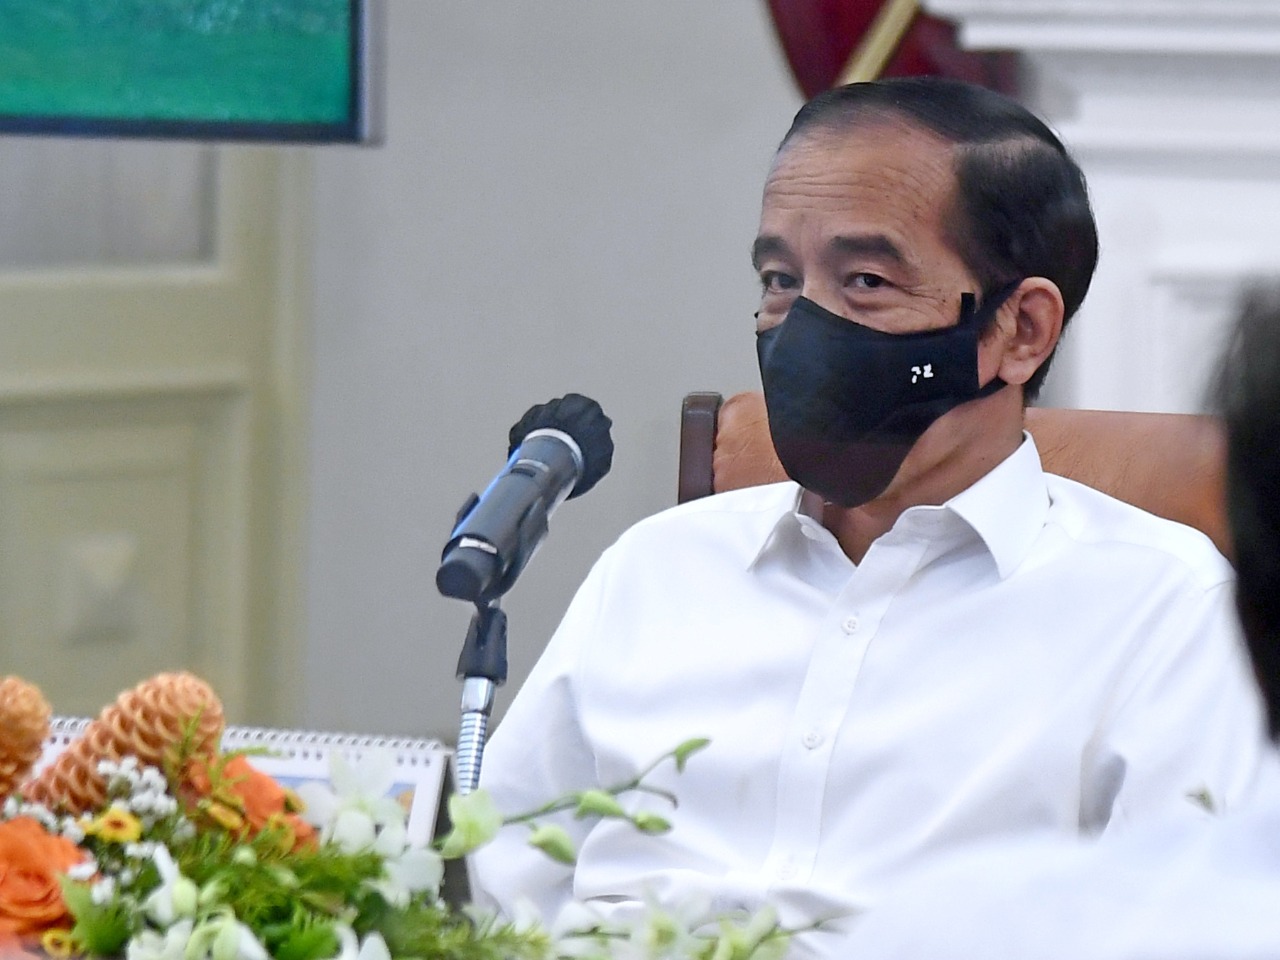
column 24, row 727
column 148, row 722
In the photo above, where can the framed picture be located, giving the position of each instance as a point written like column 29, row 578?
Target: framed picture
column 289, row 70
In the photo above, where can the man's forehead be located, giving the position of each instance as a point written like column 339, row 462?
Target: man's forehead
column 873, row 166
column 826, row 151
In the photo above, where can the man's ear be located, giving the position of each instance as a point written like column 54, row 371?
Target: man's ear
column 1027, row 327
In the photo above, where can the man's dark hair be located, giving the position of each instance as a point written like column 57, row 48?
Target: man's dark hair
column 1248, row 394
column 1022, row 208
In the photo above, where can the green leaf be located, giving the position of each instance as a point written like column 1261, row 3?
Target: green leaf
column 475, row 818
column 103, row 929
column 555, row 842
column 1203, row 798
column 598, row 803
column 316, row 942
column 647, row 822
column 687, row 749
column 76, row 896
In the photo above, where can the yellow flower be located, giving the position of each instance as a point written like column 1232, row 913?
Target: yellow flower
column 59, row 943
column 279, row 829
column 292, row 802
column 117, row 825
column 223, row 815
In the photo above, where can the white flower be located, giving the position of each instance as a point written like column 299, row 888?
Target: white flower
column 83, row 871
column 223, row 937
column 123, row 777
column 103, row 891
column 237, row 942
column 175, row 897
column 362, row 788
column 348, row 945
column 415, row 869
column 576, row 917
column 525, row 915
column 153, row 780
column 351, row 830
column 373, row 948
column 39, row 813
column 650, row 930
column 357, row 815
column 392, row 839
column 169, row 945
column 144, row 801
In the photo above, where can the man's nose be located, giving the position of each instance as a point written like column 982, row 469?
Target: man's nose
column 821, row 293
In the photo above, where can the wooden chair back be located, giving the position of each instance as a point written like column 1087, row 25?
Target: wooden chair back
column 1169, row 464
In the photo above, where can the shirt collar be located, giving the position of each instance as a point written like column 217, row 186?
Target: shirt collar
column 1006, row 509
column 788, row 523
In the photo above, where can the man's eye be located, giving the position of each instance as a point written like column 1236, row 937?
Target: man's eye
column 866, row 281
column 774, row 281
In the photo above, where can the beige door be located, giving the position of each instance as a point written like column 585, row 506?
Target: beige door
column 150, row 418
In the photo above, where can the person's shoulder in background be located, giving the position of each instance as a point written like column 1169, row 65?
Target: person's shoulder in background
column 1172, row 891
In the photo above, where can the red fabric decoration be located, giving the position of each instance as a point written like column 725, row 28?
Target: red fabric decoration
column 819, row 37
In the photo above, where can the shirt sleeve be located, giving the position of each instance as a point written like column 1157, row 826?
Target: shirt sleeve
column 537, row 754
column 1186, row 734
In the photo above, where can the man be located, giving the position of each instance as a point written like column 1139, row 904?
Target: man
column 1159, row 892
column 926, row 642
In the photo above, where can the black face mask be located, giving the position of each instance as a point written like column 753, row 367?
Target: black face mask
column 847, row 403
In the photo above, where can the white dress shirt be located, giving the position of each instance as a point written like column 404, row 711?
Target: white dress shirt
column 1160, row 893
column 1031, row 655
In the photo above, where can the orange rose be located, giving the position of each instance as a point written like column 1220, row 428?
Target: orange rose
column 246, row 796
column 31, row 861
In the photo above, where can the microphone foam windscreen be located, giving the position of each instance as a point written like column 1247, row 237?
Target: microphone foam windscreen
column 581, row 418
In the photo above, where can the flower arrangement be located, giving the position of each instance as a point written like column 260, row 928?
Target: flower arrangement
column 143, row 839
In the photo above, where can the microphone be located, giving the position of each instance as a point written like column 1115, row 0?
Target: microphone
column 558, row 450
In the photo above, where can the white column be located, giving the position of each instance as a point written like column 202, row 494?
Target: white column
column 1172, row 108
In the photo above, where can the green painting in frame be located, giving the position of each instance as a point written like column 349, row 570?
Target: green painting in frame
column 265, row 70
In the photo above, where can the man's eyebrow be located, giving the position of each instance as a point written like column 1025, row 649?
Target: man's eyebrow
column 865, row 244
column 768, row 245
column 868, row 244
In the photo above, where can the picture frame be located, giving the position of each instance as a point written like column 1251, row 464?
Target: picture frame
column 289, row 71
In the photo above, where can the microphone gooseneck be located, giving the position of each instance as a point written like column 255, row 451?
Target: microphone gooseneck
column 558, row 450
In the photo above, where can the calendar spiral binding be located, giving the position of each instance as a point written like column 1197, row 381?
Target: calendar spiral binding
column 291, row 743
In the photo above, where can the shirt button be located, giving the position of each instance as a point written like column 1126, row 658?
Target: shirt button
column 812, row 739
column 850, row 624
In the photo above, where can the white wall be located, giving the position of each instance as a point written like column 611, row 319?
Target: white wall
column 564, row 202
